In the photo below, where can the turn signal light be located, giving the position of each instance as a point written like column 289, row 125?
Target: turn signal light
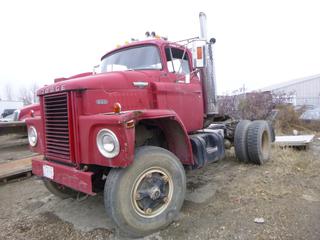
column 117, row 108
column 130, row 124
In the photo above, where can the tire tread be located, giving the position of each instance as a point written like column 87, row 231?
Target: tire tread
column 112, row 194
column 255, row 131
column 240, row 141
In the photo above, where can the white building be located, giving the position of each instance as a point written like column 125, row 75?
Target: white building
column 304, row 91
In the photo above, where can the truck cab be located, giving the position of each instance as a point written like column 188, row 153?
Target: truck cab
column 164, row 73
column 151, row 81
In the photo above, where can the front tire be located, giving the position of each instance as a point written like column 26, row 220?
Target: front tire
column 147, row 195
column 59, row 190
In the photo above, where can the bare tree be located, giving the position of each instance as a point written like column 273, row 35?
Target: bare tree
column 33, row 89
column 25, row 95
column 8, row 92
column 251, row 105
column 29, row 94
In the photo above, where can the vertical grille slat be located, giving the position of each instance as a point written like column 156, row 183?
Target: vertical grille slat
column 57, row 126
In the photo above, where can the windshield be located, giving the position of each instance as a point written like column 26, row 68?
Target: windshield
column 137, row 58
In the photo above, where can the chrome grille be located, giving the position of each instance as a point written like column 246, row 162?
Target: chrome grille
column 57, row 126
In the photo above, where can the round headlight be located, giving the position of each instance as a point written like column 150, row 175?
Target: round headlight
column 108, row 143
column 32, row 136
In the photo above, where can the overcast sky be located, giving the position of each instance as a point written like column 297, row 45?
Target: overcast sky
column 258, row 42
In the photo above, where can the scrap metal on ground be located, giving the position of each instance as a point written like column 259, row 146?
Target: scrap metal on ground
column 294, row 141
column 16, row 127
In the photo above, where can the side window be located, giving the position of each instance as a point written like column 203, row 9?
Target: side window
column 177, row 61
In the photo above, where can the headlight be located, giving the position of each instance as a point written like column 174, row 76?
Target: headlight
column 108, row 143
column 32, row 136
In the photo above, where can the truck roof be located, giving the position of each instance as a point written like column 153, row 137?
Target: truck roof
column 155, row 41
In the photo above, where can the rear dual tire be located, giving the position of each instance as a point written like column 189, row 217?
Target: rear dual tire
column 252, row 141
column 240, row 141
column 259, row 142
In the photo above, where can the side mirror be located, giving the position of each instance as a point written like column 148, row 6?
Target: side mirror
column 95, row 68
column 212, row 40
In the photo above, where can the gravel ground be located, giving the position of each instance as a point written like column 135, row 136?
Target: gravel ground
column 222, row 202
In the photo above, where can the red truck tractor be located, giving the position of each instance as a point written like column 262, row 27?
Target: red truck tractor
column 132, row 130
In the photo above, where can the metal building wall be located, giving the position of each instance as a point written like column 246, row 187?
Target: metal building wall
column 306, row 92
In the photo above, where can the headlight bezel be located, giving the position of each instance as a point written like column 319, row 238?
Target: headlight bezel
column 33, row 130
column 99, row 141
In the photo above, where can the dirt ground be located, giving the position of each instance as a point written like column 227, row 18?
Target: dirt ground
column 222, row 202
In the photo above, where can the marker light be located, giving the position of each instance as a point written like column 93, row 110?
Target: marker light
column 117, row 108
column 130, row 124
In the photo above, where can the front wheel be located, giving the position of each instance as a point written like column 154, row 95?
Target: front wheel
column 59, row 190
column 147, row 195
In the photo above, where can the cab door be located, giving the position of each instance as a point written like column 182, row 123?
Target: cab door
column 183, row 88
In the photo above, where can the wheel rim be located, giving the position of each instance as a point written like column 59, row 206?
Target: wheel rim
column 152, row 192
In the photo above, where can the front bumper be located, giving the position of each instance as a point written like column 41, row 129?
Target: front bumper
column 65, row 175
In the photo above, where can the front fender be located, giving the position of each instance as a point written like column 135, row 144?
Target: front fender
column 89, row 126
column 175, row 132
column 168, row 120
column 37, row 123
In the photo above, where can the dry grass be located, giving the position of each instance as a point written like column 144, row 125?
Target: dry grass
column 292, row 161
column 288, row 119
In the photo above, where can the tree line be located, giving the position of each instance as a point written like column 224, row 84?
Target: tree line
column 27, row 94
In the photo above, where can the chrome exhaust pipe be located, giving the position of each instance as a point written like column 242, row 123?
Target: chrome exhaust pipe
column 203, row 26
column 207, row 73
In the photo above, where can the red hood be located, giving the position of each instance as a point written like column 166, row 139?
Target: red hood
column 107, row 81
column 75, row 76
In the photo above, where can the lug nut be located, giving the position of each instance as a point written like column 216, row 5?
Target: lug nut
column 148, row 211
column 165, row 179
column 165, row 199
column 138, row 196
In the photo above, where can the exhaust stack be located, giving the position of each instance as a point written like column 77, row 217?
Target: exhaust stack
column 203, row 26
column 207, row 73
